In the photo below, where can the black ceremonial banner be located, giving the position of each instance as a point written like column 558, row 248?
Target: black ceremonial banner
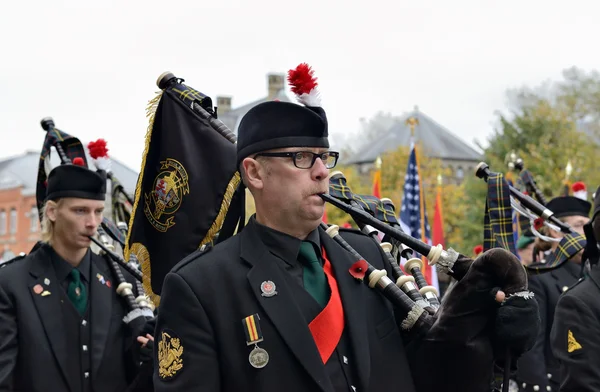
column 185, row 186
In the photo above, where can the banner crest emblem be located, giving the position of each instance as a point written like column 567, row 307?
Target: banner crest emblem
column 163, row 201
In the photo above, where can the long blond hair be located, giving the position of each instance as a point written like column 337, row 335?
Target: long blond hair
column 47, row 224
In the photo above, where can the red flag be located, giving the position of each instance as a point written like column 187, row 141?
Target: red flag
column 377, row 184
column 377, row 179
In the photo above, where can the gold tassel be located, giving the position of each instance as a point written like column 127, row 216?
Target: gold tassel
column 140, row 251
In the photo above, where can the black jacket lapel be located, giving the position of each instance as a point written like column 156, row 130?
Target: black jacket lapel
column 46, row 298
column 353, row 302
column 281, row 308
column 566, row 276
column 101, row 300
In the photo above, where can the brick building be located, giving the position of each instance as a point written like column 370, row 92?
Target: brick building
column 19, row 219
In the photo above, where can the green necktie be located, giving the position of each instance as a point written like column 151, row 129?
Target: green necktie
column 315, row 281
column 76, row 291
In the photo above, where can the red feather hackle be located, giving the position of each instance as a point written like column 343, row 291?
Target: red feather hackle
column 98, row 149
column 302, row 79
column 78, row 161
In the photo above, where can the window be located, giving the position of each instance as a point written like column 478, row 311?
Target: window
column 460, row 173
column 33, row 219
column 13, row 221
column 2, row 222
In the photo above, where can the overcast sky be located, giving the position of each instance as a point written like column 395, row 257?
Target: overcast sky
column 93, row 66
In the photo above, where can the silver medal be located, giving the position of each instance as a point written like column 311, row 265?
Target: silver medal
column 258, row 358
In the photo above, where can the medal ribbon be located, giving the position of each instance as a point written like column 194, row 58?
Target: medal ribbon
column 328, row 326
column 252, row 329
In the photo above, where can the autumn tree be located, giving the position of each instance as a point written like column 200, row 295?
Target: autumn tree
column 544, row 129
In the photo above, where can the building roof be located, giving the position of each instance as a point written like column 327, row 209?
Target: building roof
column 233, row 117
column 437, row 141
column 22, row 170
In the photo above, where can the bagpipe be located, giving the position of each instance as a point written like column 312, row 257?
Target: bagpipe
column 140, row 308
column 457, row 335
column 413, row 284
column 526, row 179
column 538, row 214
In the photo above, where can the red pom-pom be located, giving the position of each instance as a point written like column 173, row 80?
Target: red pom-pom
column 98, row 149
column 478, row 249
column 78, row 161
column 301, row 79
column 578, row 186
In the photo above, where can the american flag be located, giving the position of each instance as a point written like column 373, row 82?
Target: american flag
column 413, row 216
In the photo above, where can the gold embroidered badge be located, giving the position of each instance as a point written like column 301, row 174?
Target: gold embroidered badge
column 170, row 185
column 572, row 344
column 170, row 351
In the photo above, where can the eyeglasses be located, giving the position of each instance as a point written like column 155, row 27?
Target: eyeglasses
column 306, row 159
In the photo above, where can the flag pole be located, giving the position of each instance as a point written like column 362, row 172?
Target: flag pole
column 440, row 182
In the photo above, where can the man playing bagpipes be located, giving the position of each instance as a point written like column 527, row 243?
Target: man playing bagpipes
column 538, row 368
column 574, row 337
column 277, row 307
column 61, row 319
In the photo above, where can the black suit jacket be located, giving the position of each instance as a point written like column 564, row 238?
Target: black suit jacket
column 33, row 353
column 538, row 366
column 578, row 312
column 205, row 298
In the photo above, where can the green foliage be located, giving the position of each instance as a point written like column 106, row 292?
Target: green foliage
column 543, row 131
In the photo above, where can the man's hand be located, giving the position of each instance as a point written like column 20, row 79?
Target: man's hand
column 145, row 339
column 146, row 347
column 517, row 321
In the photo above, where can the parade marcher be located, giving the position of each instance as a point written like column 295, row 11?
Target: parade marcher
column 525, row 247
column 274, row 308
column 538, row 369
column 575, row 335
column 61, row 320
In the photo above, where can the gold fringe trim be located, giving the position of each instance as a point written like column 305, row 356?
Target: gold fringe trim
column 141, row 252
column 216, row 226
column 144, row 262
